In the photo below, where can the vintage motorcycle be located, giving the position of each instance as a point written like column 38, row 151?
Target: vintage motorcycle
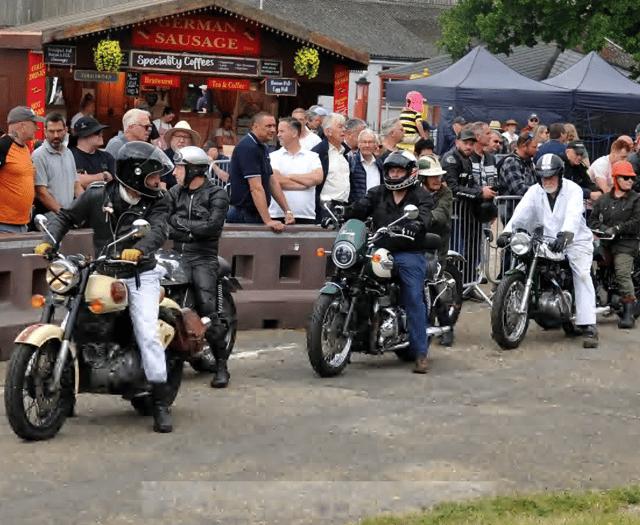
column 359, row 310
column 93, row 348
column 539, row 287
column 178, row 288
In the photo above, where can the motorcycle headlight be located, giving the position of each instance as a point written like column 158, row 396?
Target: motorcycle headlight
column 520, row 243
column 343, row 254
column 62, row 276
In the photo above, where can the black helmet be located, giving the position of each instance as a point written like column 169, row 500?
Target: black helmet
column 549, row 165
column 405, row 160
column 195, row 162
column 137, row 161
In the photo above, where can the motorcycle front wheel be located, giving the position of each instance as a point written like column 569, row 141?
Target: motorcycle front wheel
column 327, row 347
column 206, row 361
column 508, row 327
column 34, row 410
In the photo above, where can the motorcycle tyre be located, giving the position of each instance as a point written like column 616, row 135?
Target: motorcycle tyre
column 14, row 393
column 314, row 339
column 497, row 313
column 206, row 362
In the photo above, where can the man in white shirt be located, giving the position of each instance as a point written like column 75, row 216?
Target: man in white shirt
column 335, row 165
column 308, row 139
column 600, row 169
column 298, row 171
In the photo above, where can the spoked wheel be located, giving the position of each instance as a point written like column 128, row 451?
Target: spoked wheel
column 508, row 327
column 327, row 347
column 35, row 411
column 206, row 361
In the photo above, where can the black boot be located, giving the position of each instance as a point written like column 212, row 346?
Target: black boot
column 627, row 320
column 446, row 339
column 589, row 336
column 161, row 415
column 221, row 378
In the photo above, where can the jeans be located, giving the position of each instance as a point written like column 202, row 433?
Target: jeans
column 12, row 228
column 243, row 216
column 412, row 269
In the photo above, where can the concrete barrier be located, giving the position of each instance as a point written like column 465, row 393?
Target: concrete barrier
column 280, row 274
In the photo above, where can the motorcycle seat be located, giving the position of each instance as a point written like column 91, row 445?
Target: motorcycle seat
column 432, row 241
column 224, row 268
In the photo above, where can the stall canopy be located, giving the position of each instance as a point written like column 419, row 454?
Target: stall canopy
column 481, row 87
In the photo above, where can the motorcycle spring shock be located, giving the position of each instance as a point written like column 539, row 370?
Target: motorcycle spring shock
column 219, row 298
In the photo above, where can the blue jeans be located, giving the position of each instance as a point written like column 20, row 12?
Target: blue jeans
column 12, row 228
column 242, row 216
column 412, row 269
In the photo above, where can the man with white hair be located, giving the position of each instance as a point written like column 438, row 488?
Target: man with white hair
column 307, row 139
column 365, row 169
column 136, row 125
column 353, row 128
column 335, row 167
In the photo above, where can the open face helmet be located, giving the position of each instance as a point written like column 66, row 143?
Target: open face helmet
column 195, row 162
column 136, row 162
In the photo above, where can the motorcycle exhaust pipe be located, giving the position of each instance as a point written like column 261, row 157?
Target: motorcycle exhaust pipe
column 436, row 331
column 400, row 346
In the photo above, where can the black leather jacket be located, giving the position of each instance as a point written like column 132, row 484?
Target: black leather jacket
column 459, row 176
column 90, row 211
column 196, row 218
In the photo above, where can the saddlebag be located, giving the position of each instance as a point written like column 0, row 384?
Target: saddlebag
column 189, row 339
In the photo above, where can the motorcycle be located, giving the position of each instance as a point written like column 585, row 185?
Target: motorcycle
column 359, row 310
column 606, row 284
column 179, row 289
column 93, row 348
column 538, row 287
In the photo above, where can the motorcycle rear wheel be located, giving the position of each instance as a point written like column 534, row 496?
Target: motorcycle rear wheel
column 206, row 361
column 508, row 327
column 34, row 412
column 326, row 346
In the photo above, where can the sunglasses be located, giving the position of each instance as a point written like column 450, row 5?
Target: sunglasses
column 148, row 127
column 533, row 120
column 626, row 177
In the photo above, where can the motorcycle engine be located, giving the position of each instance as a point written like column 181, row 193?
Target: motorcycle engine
column 112, row 368
column 552, row 306
column 393, row 322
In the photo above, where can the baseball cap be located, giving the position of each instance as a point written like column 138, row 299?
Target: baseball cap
column 534, row 116
column 22, row 114
column 86, row 126
column 468, row 134
column 577, row 146
column 460, row 120
column 320, row 111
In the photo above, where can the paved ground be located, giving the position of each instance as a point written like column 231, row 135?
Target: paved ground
column 284, row 447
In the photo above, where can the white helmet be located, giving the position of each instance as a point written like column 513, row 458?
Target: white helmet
column 382, row 263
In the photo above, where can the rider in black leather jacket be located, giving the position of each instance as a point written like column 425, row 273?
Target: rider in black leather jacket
column 198, row 209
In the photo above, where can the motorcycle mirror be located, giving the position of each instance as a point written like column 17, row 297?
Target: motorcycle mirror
column 41, row 222
column 141, row 227
column 411, row 212
column 488, row 234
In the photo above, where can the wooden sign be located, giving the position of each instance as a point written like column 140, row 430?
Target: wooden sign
column 86, row 75
column 205, row 64
column 232, row 84
column 341, row 89
column 60, row 55
column 205, row 34
column 270, row 68
column 166, row 81
column 281, row 86
column 132, row 84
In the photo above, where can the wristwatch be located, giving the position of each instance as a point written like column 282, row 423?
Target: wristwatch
column 105, row 176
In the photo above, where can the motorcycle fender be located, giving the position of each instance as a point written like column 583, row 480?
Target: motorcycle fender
column 169, row 303
column 39, row 333
column 331, row 289
column 166, row 333
column 232, row 283
column 515, row 271
column 455, row 257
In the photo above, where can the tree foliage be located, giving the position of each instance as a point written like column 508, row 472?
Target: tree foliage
column 504, row 24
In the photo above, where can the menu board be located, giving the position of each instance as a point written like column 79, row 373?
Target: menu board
column 271, row 68
column 60, row 55
column 132, row 84
column 280, row 86
column 194, row 63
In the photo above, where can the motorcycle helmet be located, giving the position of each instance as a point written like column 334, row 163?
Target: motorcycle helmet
column 195, row 162
column 136, row 162
column 622, row 168
column 405, row 160
column 549, row 165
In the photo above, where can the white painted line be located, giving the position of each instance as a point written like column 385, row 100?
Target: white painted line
column 255, row 353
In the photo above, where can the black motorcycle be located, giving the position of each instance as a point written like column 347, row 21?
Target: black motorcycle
column 360, row 310
column 179, row 289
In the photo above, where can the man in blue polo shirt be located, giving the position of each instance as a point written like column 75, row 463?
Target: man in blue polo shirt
column 252, row 183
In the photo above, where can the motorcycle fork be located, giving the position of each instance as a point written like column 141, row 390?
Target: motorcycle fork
column 527, row 288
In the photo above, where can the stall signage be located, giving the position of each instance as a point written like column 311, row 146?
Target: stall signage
column 132, row 84
column 36, row 87
column 60, row 55
column 280, row 86
column 194, row 63
column 86, row 75
column 202, row 33
column 341, row 89
column 166, row 81
column 271, row 68
column 233, row 84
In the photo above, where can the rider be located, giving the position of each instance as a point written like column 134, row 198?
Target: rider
column 110, row 210
column 557, row 205
column 617, row 213
column 385, row 204
column 430, row 174
column 198, row 209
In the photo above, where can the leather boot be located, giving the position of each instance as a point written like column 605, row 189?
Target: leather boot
column 589, row 336
column 446, row 339
column 161, row 415
column 628, row 307
column 221, row 378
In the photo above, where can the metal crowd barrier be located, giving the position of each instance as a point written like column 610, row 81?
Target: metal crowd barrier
column 224, row 166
